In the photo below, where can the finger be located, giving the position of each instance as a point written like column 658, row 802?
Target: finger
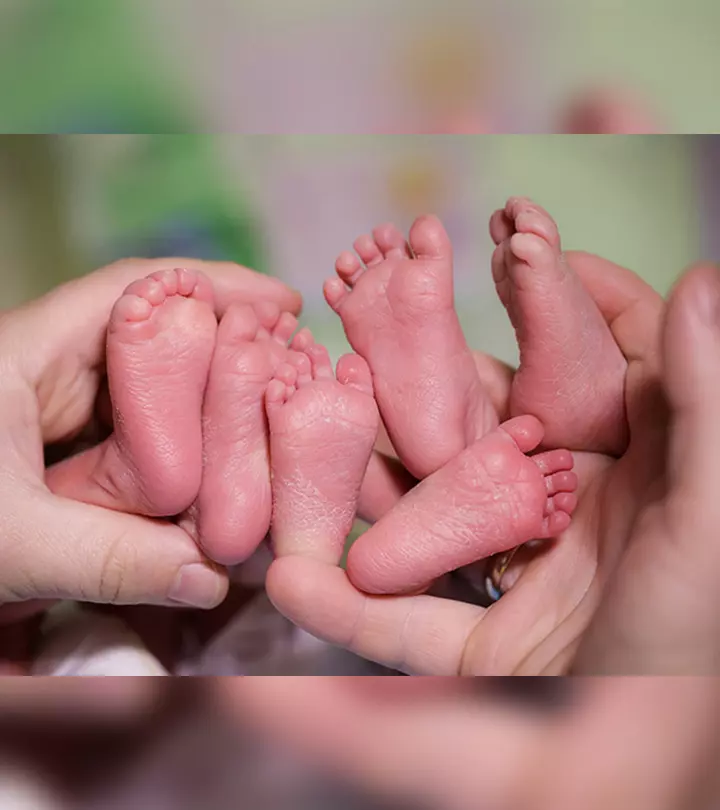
column 419, row 634
column 68, row 550
column 674, row 548
column 692, row 382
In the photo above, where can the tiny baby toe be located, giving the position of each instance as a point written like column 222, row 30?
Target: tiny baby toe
column 238, row 325
column 528, row 247
column 320, row 361
column 516, row 205
column 286, row 325
column 301, row 362
column 268, row 314
column 348, row 267
column 561, row 482
column 335, row 293
column 303, row 340
column 276, row 393
column 168, row 279
column 525, row 431
column 198, row 285
column 131, row 309
column 498, row 263
column 391, row 241
column 501, row 227
column 187, row 281
column 540, row 224
column 428, row 239
column 555, row 524
column 368, row 249
column 286, row 373
column 565, row 502
column 354, row 371
column 554, row 461
column 150, row 289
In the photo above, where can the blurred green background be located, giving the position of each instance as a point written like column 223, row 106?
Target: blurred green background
column 409, row 66
column 287, row 205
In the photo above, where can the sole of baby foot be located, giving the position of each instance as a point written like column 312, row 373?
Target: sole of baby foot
column 160, row 341
column 572, row 373
column 395, row 300
column 490, row 498
column 234, row 507
column 323, row 426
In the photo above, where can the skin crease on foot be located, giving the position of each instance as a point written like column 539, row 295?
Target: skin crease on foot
column 323, row 427
column 398, row 312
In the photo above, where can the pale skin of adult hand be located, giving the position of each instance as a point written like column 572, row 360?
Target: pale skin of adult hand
column 52, row 357
column 639, row 556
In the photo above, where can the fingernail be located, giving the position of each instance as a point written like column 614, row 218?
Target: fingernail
column 196, row 585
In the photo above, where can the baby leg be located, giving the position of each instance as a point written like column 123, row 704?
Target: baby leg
column 398, row 312
column 572, row 373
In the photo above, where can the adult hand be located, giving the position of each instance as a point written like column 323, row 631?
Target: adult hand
column 640, row 743
column 52, row 360
column 640, row 545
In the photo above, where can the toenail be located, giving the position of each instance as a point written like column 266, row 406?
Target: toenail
column 196, row 585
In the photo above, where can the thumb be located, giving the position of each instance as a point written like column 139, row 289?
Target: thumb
column 60, row 549
column 692, row 382
column 660, row 612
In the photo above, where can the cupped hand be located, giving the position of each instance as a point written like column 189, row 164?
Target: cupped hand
column 52, row 359
column 628, row 588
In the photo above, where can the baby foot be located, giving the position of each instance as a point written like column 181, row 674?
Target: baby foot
column 489, row 498
column 322, row 432
column 572, row 373
column 235, row 503
column 399, row 315
column 160, row 341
